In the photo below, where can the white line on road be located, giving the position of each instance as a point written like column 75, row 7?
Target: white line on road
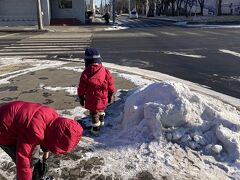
column 183, row 54
column 230, row 52
column 214, row 33
column 193, row 33
column 7, row 35
column 168, row 33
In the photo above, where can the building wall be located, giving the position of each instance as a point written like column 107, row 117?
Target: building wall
column 24, row 12
column 46, row 11
column 226, row 9
column 77, row 10
column 18, row 11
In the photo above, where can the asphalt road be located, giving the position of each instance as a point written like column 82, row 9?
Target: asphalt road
column 210, row 57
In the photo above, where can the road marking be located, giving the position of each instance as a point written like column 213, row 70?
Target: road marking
column 214, row 33
column 168, row 33
column 183, row 54
column 193, row 33
column 7, row 35
column 230, row 52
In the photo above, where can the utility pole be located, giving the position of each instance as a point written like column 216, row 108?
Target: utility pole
column 105, row 7
column 129, row 7
column 101, row 8
column 147, row 7
column 39, row 15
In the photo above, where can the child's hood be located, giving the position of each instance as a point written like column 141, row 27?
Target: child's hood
column 98, row 74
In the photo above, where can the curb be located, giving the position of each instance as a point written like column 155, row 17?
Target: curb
column 161, row 19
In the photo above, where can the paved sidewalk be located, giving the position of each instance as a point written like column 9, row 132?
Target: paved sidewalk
column 98, row 24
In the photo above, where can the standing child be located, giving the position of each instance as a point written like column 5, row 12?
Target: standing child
column 96, row 88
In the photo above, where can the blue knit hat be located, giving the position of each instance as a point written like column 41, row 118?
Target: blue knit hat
column 92, row 56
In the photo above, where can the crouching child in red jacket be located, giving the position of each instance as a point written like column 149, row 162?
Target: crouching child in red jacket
column 25, row 127
column 96, row 88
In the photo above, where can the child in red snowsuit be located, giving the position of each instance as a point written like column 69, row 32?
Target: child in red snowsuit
column 96, row 88
column 26, row 125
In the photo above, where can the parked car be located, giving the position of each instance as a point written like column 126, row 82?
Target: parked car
column 133, row 15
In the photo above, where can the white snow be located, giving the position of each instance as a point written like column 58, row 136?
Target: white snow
column 184, row 23
column 136, row 79
column 159, row 114
column 158, row 109
column 69, row 90
column 77, row 69
column 173, row 105
column 114, row 28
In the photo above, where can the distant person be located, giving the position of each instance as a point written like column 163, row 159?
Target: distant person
column 96, row 88
column 106, row 17
column 25, row 127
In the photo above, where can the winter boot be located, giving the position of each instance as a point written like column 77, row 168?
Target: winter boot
column 96, row 128
column 101, row 118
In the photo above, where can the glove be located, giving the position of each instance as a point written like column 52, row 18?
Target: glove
column 40, row 169
column 81, row 100
column 110, row 97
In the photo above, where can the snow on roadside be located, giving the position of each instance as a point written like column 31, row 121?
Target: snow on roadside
column 164, row 118
column 206, row 26
column 188, row 117
column 114, row 28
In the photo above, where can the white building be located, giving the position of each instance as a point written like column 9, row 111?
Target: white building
column 24, row 12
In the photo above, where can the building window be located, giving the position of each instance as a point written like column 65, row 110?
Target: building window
column 65, row 4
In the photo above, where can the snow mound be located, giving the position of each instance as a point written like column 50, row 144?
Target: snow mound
column 171, row 111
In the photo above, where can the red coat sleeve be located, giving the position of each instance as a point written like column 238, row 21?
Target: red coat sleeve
column 23, row 160
column 26, row 143
column 82, row 85
column 111, row 87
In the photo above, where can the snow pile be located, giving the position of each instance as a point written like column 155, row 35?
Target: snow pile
column 172, row 111
column 114, row 28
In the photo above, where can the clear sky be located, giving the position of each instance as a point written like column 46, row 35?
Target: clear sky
column 98, row 2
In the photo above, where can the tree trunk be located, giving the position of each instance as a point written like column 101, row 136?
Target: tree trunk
column 201, row 7
column 173, row 8
column 219, row 7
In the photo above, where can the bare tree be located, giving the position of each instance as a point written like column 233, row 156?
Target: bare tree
column 122, row 6
column 151, row 8
column 219, row 7
column 159, row 7
column 190, row 4
column 179, row 6
column 201, row 4
column 173, row 6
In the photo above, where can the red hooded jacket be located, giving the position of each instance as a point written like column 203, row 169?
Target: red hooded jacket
column 26, row 125
column 95, row 84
